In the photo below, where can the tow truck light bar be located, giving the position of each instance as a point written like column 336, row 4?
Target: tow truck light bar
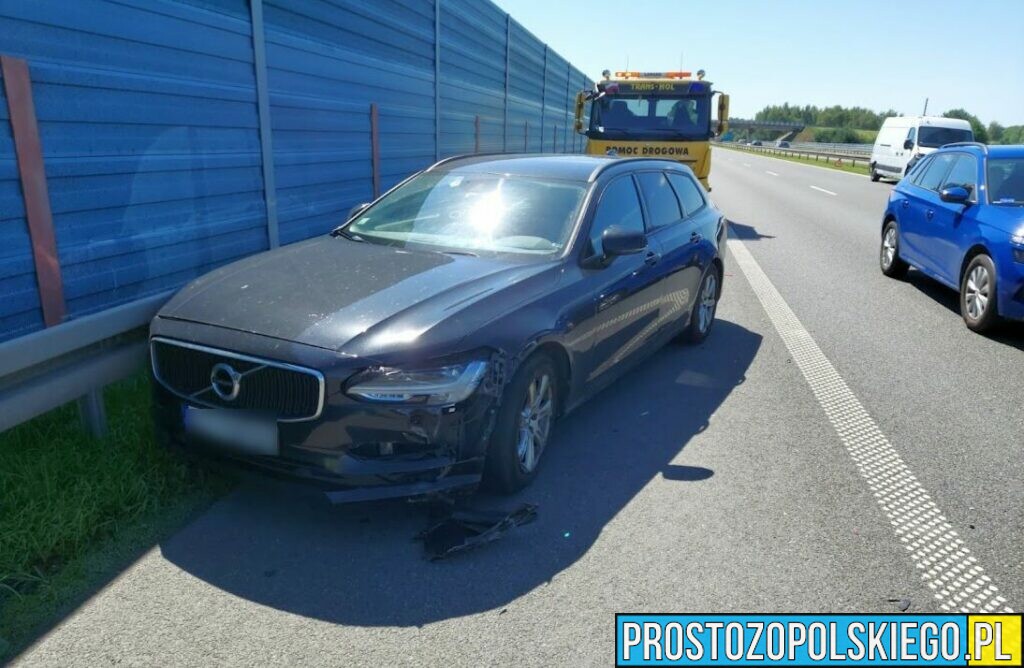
column 652, row 75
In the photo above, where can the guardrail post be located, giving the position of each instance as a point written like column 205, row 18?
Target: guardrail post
column 29, row 151
column 375, row 150
column 259, row 51
column 93, row 413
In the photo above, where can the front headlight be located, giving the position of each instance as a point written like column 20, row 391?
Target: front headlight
column 437, row 386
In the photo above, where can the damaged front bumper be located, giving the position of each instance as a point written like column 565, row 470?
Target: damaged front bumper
column 356, row 450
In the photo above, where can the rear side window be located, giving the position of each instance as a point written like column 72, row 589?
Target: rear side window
column 935, row 173
column 619, row 205
column 964, row 173
column 689, row 193
column 662, row 205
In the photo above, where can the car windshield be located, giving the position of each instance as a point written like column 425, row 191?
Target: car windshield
column 651, row 116
column 485, row 212
column 1006, row 181
column 931, row 136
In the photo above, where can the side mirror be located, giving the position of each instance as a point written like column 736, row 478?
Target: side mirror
column 618, row 241
column 955, row 194
column 909, row 144
column 581, row 99
column 723, row 115
column 357, row 209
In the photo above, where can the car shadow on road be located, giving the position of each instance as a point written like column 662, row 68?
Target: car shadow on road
column 358, row 564
column 746, row 232
column 1008, row 333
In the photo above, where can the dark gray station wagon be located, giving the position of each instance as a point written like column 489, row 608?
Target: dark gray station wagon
column 431, row 341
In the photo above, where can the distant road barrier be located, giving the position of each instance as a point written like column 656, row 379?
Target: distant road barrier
column 847, row 153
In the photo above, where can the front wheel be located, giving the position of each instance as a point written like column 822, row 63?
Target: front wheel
column 889, row 255
column 702, row 317
column 978, row 294
column 523, row 426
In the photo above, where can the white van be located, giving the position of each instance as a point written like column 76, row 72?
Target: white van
column 904, row 139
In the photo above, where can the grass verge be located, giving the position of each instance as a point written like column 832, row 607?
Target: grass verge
column 74, row 510
column 842, row 166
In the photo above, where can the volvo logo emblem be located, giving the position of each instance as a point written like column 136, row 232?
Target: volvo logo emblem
column 226, row 382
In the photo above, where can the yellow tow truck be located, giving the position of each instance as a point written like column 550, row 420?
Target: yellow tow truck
column 653, row 114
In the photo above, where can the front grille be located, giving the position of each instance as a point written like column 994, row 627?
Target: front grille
column 291, row 393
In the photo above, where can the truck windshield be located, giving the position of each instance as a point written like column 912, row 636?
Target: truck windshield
column 651, row 116
column 934, row 137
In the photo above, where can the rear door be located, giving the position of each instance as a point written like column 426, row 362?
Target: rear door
column 678, row 271
column 921, row 194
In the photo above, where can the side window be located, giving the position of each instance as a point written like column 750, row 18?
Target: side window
column 919, row 169
column 964, row 173
column 935, row 173
column 690, row 195
column 662, row 205
column 619, row 205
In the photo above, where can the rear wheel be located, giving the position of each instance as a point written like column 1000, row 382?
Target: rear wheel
column 978, row 294
column 889, row 255
column 523, row 426
column 874, row 174
column 702, row 317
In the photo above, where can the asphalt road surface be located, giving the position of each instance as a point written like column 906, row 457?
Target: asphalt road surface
column 841, row 443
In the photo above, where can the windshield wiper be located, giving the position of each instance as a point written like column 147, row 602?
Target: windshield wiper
column 342, row 232
column 460, row 252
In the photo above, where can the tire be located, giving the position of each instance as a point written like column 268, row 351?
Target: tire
column 978, row 294
column 874, row 175
column 702, row 316
column 513, row 455
column 889, row 253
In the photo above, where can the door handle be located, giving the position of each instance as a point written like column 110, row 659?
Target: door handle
column 929, row 213
column 696, row 238
column 651, row 258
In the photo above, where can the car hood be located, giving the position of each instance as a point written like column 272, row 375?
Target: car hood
column 357, row 298
column 1009, row 219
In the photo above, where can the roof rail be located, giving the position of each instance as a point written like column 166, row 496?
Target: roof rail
column 464, row 156
column 984, row 147
column 611, row 164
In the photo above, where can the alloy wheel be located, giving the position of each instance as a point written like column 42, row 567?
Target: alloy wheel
column 979, row 285
column 889, row 247
column 708, row 303
column 535, row 422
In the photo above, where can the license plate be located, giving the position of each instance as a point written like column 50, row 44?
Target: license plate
column 238, row 431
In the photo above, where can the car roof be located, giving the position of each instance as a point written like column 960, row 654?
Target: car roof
column 996, row 151
column 569, row 167
column 1006, row 151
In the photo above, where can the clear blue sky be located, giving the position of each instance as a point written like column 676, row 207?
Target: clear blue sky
column 874, row 54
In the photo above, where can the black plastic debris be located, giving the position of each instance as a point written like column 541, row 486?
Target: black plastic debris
column 464, row 530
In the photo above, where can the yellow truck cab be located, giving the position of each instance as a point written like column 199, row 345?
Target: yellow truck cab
column 653, row 114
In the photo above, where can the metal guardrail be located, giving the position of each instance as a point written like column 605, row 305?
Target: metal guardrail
column 74, row 360
column 853, row 153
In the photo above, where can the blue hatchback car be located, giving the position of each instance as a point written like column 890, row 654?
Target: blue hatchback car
column 958, row 217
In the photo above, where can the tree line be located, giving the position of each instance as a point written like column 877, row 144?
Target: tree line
column 838, row 124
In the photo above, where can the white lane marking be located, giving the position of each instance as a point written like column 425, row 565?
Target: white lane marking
column 947, row 566
column 768, row 171
column 808, row 164
column 827, row 192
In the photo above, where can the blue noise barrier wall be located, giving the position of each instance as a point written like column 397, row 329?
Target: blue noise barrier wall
column 149, row 116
